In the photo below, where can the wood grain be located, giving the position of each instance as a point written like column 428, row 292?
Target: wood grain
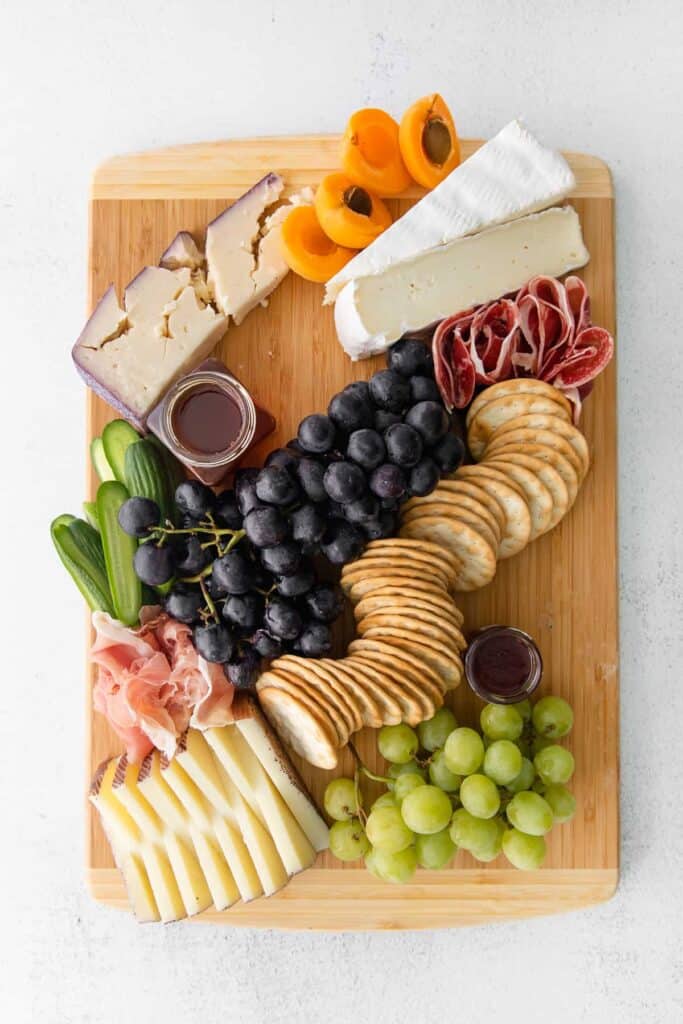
column 562, row 589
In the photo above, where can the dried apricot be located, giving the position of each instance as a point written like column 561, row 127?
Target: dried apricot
column 307, row 250
column 371, row 155
column 429, row 142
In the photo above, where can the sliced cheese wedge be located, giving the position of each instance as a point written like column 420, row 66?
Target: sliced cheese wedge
column 372, row 312
column 255, row 729
column 242, row 765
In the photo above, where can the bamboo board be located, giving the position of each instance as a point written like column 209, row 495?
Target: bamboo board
column 562, row 589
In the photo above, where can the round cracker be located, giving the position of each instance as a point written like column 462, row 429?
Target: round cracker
column 308, row 669
column 478, row 557
column 558, row 425
column 375, row 707
column 551, row 457
column 301, row 729
column 359, row 588
column 545, row 475
column 417, row 545
column 381, row 649
column 407, row 565
column 536, row 494
column 360, row 573
column 499, row 411
column 461, row 499
column 444, row 661
column 300, row 686
column 470, row 487
column 410, row 609
column 414, row 703
column 436, row 630
column 549, row 438
column 452, row 510
column 388, row 596
column 517, row 386
column 517, row 527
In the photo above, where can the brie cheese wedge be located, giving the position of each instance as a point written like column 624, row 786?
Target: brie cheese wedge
column 372, row 312
column 510, row 176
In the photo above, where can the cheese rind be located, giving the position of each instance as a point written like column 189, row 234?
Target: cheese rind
column 373, row 312
column 510, row 176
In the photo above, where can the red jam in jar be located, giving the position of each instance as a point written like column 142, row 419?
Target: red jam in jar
column 209, row 421
column 503, row 665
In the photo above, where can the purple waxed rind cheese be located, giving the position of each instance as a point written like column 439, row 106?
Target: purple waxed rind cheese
column 271, row 181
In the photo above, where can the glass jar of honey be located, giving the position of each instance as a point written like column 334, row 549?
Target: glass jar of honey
column 209, row 421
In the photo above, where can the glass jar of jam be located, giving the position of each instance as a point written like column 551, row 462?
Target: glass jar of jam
column 503, row 665
column 209, row 421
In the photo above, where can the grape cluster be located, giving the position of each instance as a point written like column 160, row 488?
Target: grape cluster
column 381, row 442
column 239, row 568
column 500, row 790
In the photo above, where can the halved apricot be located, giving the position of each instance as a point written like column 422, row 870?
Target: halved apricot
column 371, row 155
column 428, row 140
column 307, row 249
column 348, row 213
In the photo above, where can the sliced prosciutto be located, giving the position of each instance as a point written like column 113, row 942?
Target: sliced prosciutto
column 545, row 331
column 151, row 683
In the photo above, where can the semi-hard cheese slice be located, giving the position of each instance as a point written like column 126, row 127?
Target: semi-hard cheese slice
column 275, row 762
column 242, row 765
column 508, row 177
column 373, row 312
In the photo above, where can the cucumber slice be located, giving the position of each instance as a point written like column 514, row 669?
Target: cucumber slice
column 99, row 460
column 90, row 514
column 119, row 551
column 117, row 437
column 174, row 468
column 80, row 550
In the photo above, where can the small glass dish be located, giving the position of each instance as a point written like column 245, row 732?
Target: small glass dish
column 503, row 665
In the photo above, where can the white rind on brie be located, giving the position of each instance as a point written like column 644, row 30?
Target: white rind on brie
column 373, row 312
column 508, row 177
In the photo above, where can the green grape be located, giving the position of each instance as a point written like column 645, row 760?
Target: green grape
column 435, row 731
column 405, row 784
column 489, row 849
column 434, row 851
column 525, row 778
column 481, row 834
column 385, row 800
column 555, row 765
column 398, row 743
column 479, row 796
column 348, row 841
column 539, row 743
column 502, row 762
column 340, row 799
column 523, row 851
column 529, row 813
column 464, row 751
column 562, row 803
column 387, row 830
column 409, row 768
column 392, row 867
column 426, row 810
column 501, row 722
column 552, row 717
column 441, row 775
column 524, row 709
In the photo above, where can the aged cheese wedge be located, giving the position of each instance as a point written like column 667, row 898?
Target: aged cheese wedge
column 508, row 177
column 374, row 311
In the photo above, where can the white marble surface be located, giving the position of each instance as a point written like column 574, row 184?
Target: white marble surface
column 80, row 81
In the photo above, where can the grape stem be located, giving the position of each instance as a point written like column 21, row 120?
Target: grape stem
column 360, row 767
column 209, row 602
column 358, row 796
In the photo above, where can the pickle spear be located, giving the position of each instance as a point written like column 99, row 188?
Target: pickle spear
column 80, row 549
column 119, row 551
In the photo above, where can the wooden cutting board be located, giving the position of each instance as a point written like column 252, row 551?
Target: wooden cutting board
column 562, row 589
